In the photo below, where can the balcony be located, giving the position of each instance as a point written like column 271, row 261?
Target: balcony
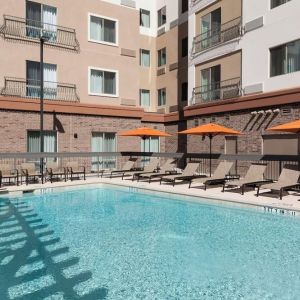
column 30, row 31
column 226, row 32
column 22, row 88
column 217, row 91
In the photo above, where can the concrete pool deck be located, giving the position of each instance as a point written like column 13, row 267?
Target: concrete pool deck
column 290, row 202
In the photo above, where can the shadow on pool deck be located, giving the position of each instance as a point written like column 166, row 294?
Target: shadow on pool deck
column 21, row 248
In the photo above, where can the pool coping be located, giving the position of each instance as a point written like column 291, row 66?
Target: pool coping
column 195, row 195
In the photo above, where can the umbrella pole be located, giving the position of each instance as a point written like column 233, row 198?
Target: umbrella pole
column 210, row 154
column 144, row 138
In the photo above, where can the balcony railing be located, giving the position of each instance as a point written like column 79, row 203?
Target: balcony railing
column 31, row 30
column 222, row 90
column 18, row 87
column 225, row 32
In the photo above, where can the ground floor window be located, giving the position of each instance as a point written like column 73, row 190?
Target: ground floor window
column 151, row 144
column 103, row 142
column 33, row 141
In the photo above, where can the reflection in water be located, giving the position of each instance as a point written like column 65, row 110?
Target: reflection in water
column 34, row 263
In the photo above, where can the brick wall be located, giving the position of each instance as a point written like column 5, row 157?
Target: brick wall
column 14, row 127
column 253, row 127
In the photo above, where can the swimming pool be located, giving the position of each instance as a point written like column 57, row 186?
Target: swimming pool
column 114, row 243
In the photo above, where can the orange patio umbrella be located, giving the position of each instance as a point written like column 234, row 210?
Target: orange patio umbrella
column 144, row 132
column 210, row 130
column 293, row 127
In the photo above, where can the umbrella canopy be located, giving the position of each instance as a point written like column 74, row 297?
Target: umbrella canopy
column 144, row 132
column 210, row 130
column 293, row 127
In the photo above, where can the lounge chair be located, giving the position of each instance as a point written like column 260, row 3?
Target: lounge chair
column 74, row 170
column 287, row 180
column 187, row 174
column 53, row 170
column 253, row 177
column 219, row 176
column 8, row 172
column 127, row 167
column 150, row 168
column 29, row 171
column 166, row 169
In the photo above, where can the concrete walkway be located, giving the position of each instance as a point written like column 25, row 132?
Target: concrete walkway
column 290, row 202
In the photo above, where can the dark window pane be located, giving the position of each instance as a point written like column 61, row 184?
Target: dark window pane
column 278, row 61
column 184, row 91
column 184, row 47
column 275, row 3
column 184, row 6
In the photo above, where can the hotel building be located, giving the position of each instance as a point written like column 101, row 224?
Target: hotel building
column 113, row 65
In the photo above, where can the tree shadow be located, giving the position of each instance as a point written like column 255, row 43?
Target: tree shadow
column 28, row 269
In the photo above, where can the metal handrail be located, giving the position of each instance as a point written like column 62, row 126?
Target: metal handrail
column 26, row 88
column 93, row 160
column 225, row 32
column 221, row 90
column 32, row 30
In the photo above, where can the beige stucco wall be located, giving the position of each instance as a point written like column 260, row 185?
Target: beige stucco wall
column 230, row 9
column 172, row 79
column 230, row 67
column 73, row 67
column 147, row 76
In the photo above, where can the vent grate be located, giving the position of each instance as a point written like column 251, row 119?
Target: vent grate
column 286, row 111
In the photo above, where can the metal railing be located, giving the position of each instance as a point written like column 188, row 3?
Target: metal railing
column 223, row 33
column 221, row 90
column 94, row 162
column 32, row 30
column 19, row 87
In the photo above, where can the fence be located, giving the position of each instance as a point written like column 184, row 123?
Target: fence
column 97, row 161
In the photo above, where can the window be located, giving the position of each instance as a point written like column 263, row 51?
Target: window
column 103, row 142
column 145, row 18
column 33, row 80
column 162, row 57
column 211, row 28
column 184, row 6
column 151, row 144
column 103, row 82
column 285, row 59
column 145, row 98
column 210, row 83
column 275, row 3
column 102, row 30
column 162, row 16
column 161, row 97
column 184, row 91
column 40, row 17
column 184, row 47
column 33, row 141
column 144, row 58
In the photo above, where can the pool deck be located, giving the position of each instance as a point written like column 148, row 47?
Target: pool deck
column 290, row 202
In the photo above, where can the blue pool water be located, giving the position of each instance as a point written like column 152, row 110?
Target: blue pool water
column 108, row 243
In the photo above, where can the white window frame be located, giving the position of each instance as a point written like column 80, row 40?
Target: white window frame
column 103, row 94
column 116, row 44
